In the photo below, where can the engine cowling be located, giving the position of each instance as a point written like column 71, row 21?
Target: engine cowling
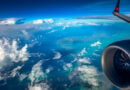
column 116, row 63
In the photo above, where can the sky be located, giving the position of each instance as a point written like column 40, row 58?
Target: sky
column 55, row 8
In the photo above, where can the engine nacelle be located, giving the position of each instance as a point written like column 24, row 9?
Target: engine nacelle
column 116, row 63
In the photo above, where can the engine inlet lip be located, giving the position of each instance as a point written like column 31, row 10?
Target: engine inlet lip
column 104, row 66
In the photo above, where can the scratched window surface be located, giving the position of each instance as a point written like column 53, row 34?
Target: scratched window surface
column 57, row 44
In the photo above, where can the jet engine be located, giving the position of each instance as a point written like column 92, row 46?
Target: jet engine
column 116, row 63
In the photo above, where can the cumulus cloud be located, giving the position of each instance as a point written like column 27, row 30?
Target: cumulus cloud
column 14, row 72
column 57, row 55
column 8, row 21
column 84, row 60
column 68, row 67
column 40, row 21
column 10, row 52
column 48, row 20
column 10, row 74
column 48, row 70
column 88, row 74
column 98, row 43
column 26, row 34
column 37, row 73
column 35, row 87
column 83, row 52
column 36, row 76
column 42, row 86
column 85, row 71
column 22, row 77
column 11, row 21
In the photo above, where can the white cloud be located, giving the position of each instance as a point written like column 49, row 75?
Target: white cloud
column 22, row 77
column 9, row 51
column 98, row 43
column 40, row 21
column 48, row 70
column 52, row 31
column 88, row 74
column 96, row 54
column 46, row 24
column 84, row 60
column 11, row 74
column 37, row 73
column 9, row 54
column 68, row 67
column 35, row 87
column 14, row 72
column 93, row 24
column 59, row 24
column 57, row 55
column 77, row 23
column 83, row 52
column 36, row 76
column 26, row 34
column 42, row 86
column 8, row 21
column 11, row 21
column 48, row 20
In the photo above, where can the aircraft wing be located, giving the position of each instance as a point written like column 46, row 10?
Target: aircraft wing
column 118, row 14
